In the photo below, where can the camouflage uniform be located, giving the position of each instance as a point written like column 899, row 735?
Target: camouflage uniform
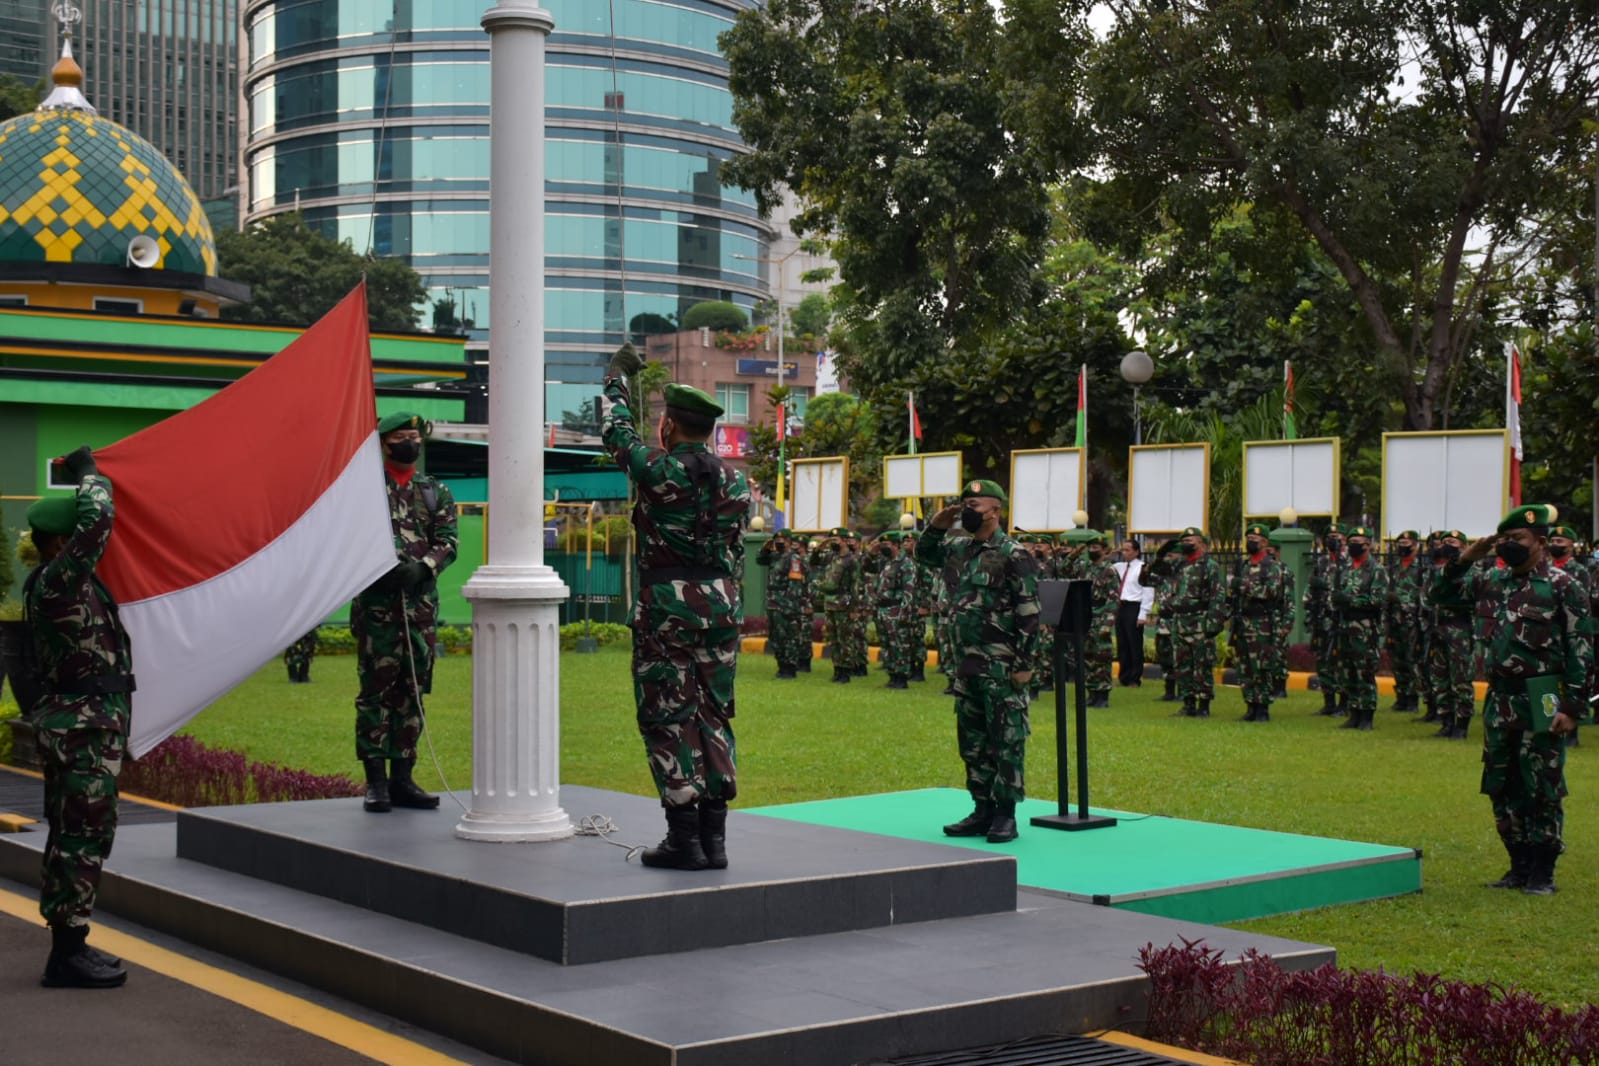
column 395, row 629
column 787, row 605
column 1357, row 591
column 81, row 720
column 297, row 657
column 690, row 518
column 1533, row 637
column 1150, row 577
column 898, row 630
column 1405, row 630
column 1257, row 604
column 840, row 586
column 1285, row 631
column 946, row 577
column 1450, row 667
column 1195, row 604
column 994, row 623
column 1045, row 559
column 1323, row 624
column 1099, row 644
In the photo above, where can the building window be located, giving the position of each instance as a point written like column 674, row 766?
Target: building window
column 118, row 307
column 735, row 402
column 798, row 397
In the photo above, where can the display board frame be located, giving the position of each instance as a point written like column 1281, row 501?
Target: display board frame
column 893, row 478
column 1018, row 493
column 819, row 499
column 1403, row 497
column 1171, row 452
column 1330, row 511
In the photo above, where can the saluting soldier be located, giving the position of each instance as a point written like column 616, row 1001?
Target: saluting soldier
column 995, row 623
column 1563, row 554
column 1285, row 624
column 841, row 591
column 1404, row 640
column 690, row 519
column 1536, row 656
column 926, row 604
column 1451, row 664
column 1257, row 605
column 1357, row 592
column 1099, row 644
column 1323, row 619
column 1197, row 608
column 1151, row 576
column 895, row 601
column 787, row 601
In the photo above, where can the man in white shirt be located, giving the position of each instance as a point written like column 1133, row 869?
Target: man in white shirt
column 1132, row 611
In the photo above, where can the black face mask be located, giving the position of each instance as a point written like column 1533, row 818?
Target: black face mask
column 1445, row 552
column 1406, row 550
column 404, row 451
column 1334, row 543
column 1559, row 551
column 1190, row 550
column 1254, row 546
column 886, row 553
column 971, row 519
column 1357, row 551
column 1514, row 553
column 1096, row 556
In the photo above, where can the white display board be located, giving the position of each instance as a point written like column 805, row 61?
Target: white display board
column 1168, row 487
column 1046, row 488
column 1447, row 480
column 1302, row 474
column 821, row 494
column 908, row 477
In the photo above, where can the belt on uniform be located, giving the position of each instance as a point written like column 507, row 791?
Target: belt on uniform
column 103, row 685
column 1359, row 614
column 661, row 574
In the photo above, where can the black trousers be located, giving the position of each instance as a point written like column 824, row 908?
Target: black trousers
column 1129, row 642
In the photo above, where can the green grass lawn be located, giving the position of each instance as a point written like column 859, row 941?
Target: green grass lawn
column 808, row 739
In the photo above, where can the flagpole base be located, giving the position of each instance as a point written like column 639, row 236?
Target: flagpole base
column 516, row 737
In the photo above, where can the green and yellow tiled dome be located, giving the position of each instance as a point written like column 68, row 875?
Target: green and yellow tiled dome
column 77, row 188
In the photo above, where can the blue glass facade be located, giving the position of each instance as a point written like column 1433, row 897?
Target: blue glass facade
column 324, row 75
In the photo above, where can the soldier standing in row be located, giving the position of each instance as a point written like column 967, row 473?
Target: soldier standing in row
column 690, row 518
column 1257, row 605
column 1099, row 644
column 1404, row 621
column 1166, row 556
column 1323, row 619
column 895, row 600
column 394, row 621
column 85, row 669
column 1357, row 592
column 1563, row 555
column 947, row 577
column 840, row 584
column 1536, row 656
column 297, row 657
column 1196, row 606
column 1285, row 626
column 1451, row 666
column 996, row 637
column 787, row 601
column 925, row 605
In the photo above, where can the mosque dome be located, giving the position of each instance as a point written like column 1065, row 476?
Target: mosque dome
column 78, row 188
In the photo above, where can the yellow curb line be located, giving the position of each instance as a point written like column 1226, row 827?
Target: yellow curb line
column 15, row 823
column 336, row 1028
column 1116, row 1036
column 120, row 795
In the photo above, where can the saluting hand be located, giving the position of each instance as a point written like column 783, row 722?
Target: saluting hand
column 1480, row 549
column 946, row 518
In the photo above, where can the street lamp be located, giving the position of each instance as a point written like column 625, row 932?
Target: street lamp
column 1137, row 368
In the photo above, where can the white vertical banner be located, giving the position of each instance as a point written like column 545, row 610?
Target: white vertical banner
column 1168, row 487
column 821, row 494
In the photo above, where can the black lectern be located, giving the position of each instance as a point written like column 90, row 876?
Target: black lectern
column 1067, row 605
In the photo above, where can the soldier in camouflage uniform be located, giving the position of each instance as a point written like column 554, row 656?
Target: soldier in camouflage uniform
column 787, row 601
column 1255, row 601
column 85, row 670
column 1042, row 547
column 1323, row 620
column 1563, row 555
column 297, row 657
column 1536, row 656
column 690, row 518
column 1404, row 640
column 947, row 577
column 1168, row 556
column 1451, row 667
column 1357, row 591
column 1099, row 643
column 894, row 596
column 840, row 583
column 1285, row 627
column 926, row 605
column 394, row 621
column 996, row 639
column 1196, row 605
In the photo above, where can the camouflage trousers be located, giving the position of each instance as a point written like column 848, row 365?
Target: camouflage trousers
column 1163, row 651
column 1324, row 645
column 1099, row 653
column 789, row 633
column 1044, row 672
column 1451, row 668
column 991, row 728
column 848, row 654
column 1523, row 774
column 298, row 656
column 1193, row 658
column 1359, row 652
column 1279, row 651
column 899, row 637
column 944, row 643
column 1255, row 638
column 1404, row 653
column 391, row 644
column 683, row 688
column 80, row 806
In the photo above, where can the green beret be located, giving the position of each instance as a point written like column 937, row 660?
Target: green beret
column 1563, row 531
column 1407, row 534
column 399, row 420
column 1194, row 531
column 1534, row 516
column 1097, row 538
column 1334, row 529
column 687, row 398
column 984, row 487
column 54, row 514
column 1361, row 531
column 1078, row 536
column 1455, row 533
column 889, row 535
column 1258, row 529
column 838, row 531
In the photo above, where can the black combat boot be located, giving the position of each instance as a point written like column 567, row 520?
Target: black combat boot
column 1329, row 703
column 294, row 674
column 862, row 671
column 305, row 674
column 949, row 690
column 896, row 681
column 1541, row 869
column 1432, row 711
column 919, row 672
column 1003, row 828
column 1352, row 721
column 403, row 792
column 1170, row 695
column 1343, row 705
column 1462, row 727
column 680, row 849
column 1187, row 710
column 840, row 676
column 785, row 673
column 975, row 824
column 1249, row 712
column 1264, row 713
column 805, row 664
column 1099, row 699
column 1364, row 718
column 377, row 786
column 73, row 964
column 1516, row 876
column 1281, row 692
column 713, row 832
column 1203, row 709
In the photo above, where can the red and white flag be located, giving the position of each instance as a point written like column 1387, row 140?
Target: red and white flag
column 915, row 420
column 244, row 521
column 1513, row 418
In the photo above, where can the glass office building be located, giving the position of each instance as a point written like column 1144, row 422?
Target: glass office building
column 371, row 118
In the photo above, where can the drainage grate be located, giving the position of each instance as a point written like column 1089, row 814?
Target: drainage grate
column 1038, row 1051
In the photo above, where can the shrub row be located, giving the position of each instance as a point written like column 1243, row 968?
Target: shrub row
column 182, row 771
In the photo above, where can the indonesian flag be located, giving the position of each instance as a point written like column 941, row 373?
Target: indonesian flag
column 244, row 521
column 1082, row 407
column 1513, row 418
column 915, row 419
column 1290, row 424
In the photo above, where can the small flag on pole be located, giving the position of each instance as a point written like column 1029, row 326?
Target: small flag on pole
column 916, row 422
column 1082, row 406
column 1513, row 418
column 1290, row 426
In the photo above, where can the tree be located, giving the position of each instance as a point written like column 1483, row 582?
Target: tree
column 836, row 423
column 18, row 97
column 811, row 316
column 716, row 315
column 296, row 275
column 1412, row 140
column 649, row 324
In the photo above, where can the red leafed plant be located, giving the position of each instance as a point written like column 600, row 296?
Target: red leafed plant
column 182, row 771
